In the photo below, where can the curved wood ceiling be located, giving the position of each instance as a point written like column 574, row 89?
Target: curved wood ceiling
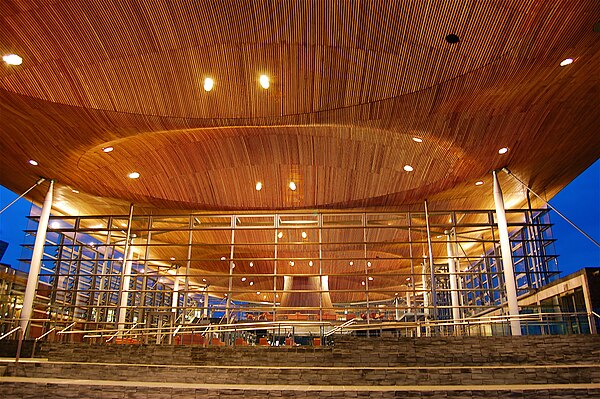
column 351, row 84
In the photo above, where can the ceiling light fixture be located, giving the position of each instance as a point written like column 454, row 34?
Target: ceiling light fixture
column 258, row 186
column 310, row 263
column 479, row 183
column 280, row 234
column 292, row 263
column 257, row 292
column 251, row 264
column 243, row 279
column 362, row 283
column 223, row 258
column 503, row 150
column 370, row 278
column 304, row 235
column 292, row 186
column 566, row 61
column 12, row 59
column 251, row 283
column 134, row 175
column 368, row 264
column 452, row 38
column 351, row 263
column 33, row 162
column 107, row 149
column 408, row 168
column 208, row 84
column 264, row 81
column 417, row 139
column 55, row 225
column 75, row 191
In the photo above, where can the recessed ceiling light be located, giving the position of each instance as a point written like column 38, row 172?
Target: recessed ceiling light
column 107, row 149
column 75, row 191
column 243, row 279
column 292, row 263
column 264, row 81
column 257, row 292
column 362, row 282
column 503, row 150
column 417, row 139
column 204, row 280
column 33, row 162
column 223, row 258
column 292, row 186
column 172, row 258
column 12, row 59
column 208, row 84
column 408, row 168
column 452, row 38
column 134, row 175
column 396, row 294
column 478, row 183
column 351, row 263
column 566, row 61
column 368, row 264
column 310, row 263
column 370, row 278
column 258, row 186
column 251, row 283
column 280, row 234
column 304, row 235
column 251, row 264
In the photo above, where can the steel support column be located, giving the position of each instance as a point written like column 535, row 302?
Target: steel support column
column 509, row 273
column 36, row 261
column 453, row 281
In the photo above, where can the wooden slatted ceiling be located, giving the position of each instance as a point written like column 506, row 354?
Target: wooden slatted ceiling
column 351, row 84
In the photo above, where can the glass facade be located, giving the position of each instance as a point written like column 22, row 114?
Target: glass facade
column 121, row 272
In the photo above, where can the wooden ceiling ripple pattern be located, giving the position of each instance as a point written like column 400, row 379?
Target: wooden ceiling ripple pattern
column 383, row 68
column 124, row 56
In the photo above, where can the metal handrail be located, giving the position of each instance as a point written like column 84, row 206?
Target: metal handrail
column 122, row 333
column 341, row 326
column 10, row 332
column 63, row 331
column 44, row 334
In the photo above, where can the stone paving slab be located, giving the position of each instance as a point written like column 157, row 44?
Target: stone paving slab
column 304, row 388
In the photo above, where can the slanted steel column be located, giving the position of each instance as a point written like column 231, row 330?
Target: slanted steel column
column 125, row 282
column 36, row 261
column 509, row 273
column 431, row 265
column 453, row 281
column 231, row 267
column 125, row 274
column 205, row 305
column 175, row 297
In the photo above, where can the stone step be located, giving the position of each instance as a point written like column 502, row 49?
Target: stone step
column 20, row 387
column 291, row 375
column 350, row 351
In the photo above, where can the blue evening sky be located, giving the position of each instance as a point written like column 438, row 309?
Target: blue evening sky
column 579, row 201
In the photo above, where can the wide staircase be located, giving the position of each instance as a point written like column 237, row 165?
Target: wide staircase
column 459, row 367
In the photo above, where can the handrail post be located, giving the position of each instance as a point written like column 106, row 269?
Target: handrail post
column 20, row 344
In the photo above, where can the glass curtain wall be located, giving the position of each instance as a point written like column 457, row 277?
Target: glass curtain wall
column 156, row 271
